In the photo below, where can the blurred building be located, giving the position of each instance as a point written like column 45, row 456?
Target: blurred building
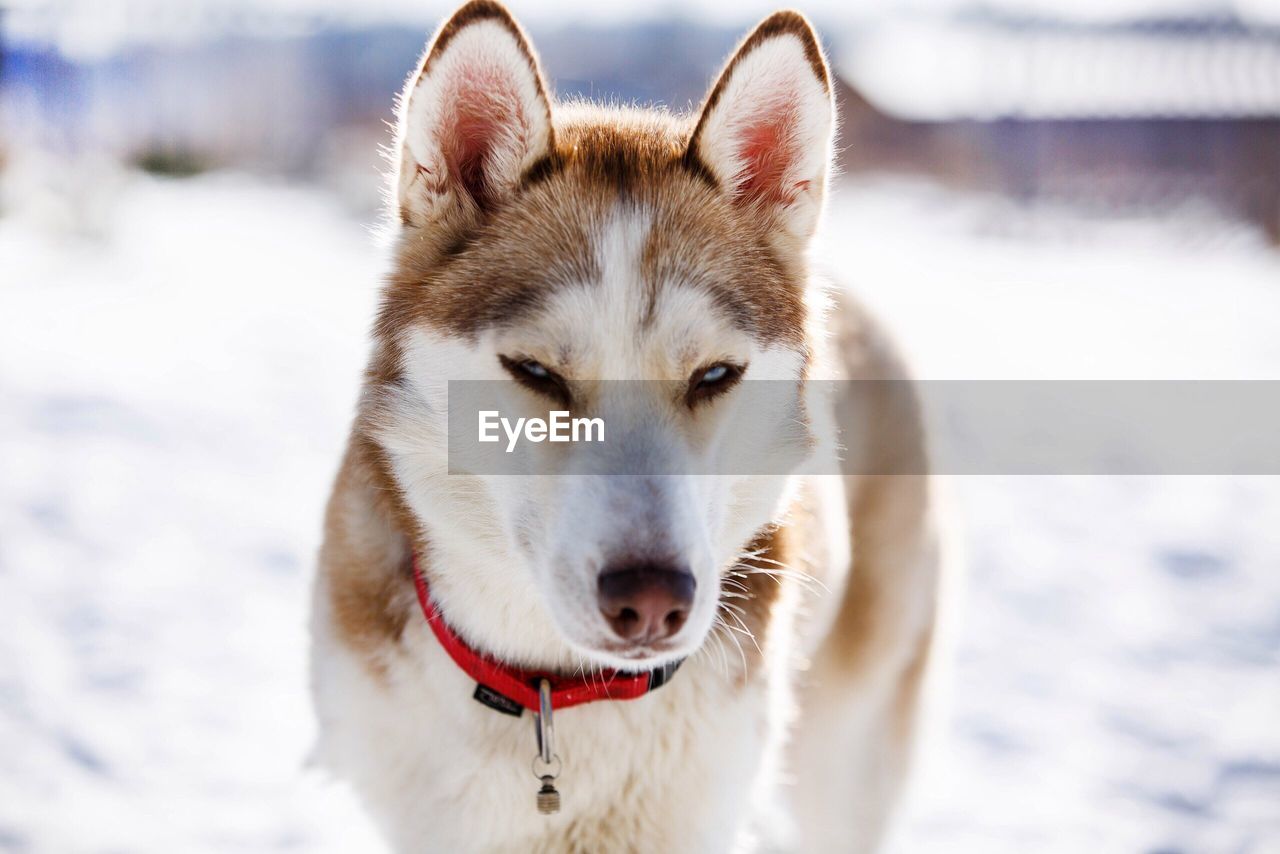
column 285, row 101
column 1137, row 117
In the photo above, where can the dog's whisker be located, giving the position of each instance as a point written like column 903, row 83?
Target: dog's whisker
column 720, row 645
column 742, row 655
column 742, row 623
column 780, row 573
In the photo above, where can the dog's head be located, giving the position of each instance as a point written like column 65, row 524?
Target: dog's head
column 573, row 251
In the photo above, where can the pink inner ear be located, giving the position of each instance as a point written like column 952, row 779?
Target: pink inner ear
column 486, row 111
column 768, row 151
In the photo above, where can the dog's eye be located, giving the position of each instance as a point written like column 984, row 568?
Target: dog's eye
column 535, row 369
column 713, row 380
column 537, row 377
column 714, row 374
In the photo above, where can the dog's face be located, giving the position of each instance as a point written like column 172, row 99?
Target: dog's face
column 618, row 265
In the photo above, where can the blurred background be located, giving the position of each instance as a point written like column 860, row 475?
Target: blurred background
column 1030, row 189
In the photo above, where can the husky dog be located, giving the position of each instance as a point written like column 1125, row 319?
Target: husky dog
column 462, row 621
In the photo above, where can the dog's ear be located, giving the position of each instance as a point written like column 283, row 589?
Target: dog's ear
column 472, row 120
column 765, row 132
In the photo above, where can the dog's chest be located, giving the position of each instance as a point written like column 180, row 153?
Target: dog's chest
column 673, row 769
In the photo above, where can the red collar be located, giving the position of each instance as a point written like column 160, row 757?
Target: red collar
column 498, row 682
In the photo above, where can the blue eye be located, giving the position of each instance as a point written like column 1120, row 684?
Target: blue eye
column 538, row 378
column 713, row 381
column 534, row 369
column 715, row 374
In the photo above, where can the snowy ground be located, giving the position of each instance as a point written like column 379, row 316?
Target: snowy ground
column 1117, row 679
column 176, row 381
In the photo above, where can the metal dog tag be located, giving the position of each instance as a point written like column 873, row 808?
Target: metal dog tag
column 548, row 799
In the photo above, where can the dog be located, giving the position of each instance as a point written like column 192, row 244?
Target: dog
column 653, row 654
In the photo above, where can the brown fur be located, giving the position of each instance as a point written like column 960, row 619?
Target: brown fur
column 366, row 553
column 888, row 487
column 539, row 240
column 757, row 580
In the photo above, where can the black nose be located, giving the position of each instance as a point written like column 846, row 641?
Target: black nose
column 646, row 602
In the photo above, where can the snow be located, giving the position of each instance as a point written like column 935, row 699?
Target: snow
column 1116, row 683
column 176, row 396
column 177, row 377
